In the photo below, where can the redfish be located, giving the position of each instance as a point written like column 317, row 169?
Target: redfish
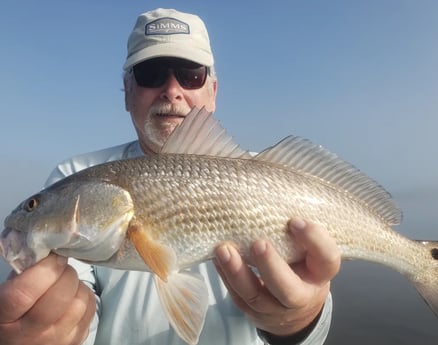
column 166, row 212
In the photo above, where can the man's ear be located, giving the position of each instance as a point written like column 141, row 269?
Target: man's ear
column 127, row 88
column 214, row 91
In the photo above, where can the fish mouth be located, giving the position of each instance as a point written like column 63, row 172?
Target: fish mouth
column 14, row 249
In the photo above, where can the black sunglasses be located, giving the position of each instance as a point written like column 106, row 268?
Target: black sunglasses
column 155, row 72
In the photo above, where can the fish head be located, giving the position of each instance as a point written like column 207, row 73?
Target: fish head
column 71, row 218
column 38, row 224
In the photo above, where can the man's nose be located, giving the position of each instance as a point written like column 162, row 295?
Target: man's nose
column 172, row 90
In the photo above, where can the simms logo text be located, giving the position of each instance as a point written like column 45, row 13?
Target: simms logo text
column 167, row 26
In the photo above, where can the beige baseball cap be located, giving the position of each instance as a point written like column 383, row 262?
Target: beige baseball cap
column 169, row 33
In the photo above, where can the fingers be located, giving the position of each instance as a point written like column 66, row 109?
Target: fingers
column 84, row 324
column 20, row 293
column 294, row 286
column 279, row 278
column 321, row 263
column 75, row 322
column 323, row 258
column 52, row 305
column 244, row 286
column 58, row 297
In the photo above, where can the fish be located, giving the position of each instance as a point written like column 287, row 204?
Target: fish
column 166, row 212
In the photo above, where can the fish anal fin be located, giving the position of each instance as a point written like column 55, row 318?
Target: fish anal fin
column 184, row 298
column 159, row 258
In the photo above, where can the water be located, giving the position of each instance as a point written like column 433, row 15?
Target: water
column 376, row 305
column 373, row 304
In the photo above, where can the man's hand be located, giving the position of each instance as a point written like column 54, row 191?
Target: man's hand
column 285, row 299
column 46, row 304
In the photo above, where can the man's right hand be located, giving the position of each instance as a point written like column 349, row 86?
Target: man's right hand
column 46, row 304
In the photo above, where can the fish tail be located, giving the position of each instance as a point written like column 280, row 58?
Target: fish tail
column 427, row 284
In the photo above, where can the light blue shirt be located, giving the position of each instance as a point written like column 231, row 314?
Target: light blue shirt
column 128, row 307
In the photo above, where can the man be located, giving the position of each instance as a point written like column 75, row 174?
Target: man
column 170, row 69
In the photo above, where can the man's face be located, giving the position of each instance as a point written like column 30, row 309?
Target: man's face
column 156, row 111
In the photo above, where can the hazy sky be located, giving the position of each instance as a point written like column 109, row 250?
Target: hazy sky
column 359, row 77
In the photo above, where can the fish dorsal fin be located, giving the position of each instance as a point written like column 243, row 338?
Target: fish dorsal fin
column 306, row 157
column 201, row 134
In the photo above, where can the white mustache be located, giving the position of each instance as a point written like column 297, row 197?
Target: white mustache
column 168, row 108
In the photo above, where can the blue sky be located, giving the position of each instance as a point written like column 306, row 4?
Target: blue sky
column 359, row 77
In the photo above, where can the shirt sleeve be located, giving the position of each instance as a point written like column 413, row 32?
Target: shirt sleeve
column 320, row 332
column 87, row 276
column 314, row 336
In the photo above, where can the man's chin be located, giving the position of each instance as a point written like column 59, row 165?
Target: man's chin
column 154, row 140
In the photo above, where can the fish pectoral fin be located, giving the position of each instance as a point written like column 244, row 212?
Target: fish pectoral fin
column 160, row 258
column 184, row 298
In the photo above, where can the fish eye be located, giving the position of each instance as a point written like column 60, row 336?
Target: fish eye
column 434, row 253
column 31, row 204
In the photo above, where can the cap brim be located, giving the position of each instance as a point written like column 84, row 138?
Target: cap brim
column 163, row 50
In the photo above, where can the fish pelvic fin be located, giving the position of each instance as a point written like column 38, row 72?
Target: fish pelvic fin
column 160, row 258
column 183, row 295
column 427, row 283
column 184, row 298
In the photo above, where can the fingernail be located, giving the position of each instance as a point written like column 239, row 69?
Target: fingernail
column 259, row 247
column 297, row 224
column 223, row 254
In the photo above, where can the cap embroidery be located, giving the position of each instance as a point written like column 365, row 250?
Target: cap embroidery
column 167, row 26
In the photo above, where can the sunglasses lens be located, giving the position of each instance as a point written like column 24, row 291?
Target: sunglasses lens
column 155, row 72
column 150, row 74
column 191, row 78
